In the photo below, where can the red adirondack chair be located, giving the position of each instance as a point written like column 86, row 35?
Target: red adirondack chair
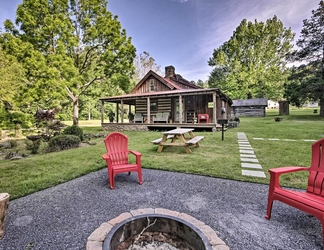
column 117, row 157
column 310, row 201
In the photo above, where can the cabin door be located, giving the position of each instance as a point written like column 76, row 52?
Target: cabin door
column 176, row 111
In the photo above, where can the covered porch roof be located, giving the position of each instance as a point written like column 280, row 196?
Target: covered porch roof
column 130, row 98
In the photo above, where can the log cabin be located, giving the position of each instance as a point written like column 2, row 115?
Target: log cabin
column 170, row 101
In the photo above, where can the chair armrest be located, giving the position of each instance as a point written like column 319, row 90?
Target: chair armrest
column 135, row 153
column 276, row 172
column 284, row 170
column 138, row 156
column 105, row 156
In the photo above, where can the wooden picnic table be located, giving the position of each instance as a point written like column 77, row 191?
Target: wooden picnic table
column 178, row 138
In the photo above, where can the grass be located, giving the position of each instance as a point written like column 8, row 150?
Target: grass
column 215, row 157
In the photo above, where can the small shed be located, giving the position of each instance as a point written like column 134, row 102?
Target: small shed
column 283, row 107
column 250, row 107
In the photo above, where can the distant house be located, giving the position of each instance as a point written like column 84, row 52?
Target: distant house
column 311, row 104
column 250, row 107
column 170, row 99
column 273, row 104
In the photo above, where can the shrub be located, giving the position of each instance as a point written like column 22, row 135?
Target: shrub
column 74, row 130
column 33, row 146
column 13, row 143
column 62, row 142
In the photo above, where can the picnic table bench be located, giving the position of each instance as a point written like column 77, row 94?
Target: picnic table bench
column 195, row 140
column 310, row 201
column 157, row 141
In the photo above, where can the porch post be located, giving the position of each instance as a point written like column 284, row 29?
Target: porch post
column 102, row 111
column 117, row 116
column 148, row 110
column 215, row 107
column 180, row 109
column 122, row 111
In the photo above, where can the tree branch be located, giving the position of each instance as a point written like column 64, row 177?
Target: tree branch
column 87, row 56
column 85, row 86
column 70, row 94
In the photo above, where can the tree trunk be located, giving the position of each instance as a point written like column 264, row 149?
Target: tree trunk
column 76, row 111
column 321, row 104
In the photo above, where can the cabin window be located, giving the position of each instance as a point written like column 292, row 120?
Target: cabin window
column 153, row 105
column 152, row 85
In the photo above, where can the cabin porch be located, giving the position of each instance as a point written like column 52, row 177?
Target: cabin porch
column 160, row 126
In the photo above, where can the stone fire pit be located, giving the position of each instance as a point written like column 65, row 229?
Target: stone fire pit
column 192, row 232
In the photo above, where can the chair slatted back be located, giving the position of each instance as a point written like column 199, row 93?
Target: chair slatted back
column 117, row 148
column 316, row 170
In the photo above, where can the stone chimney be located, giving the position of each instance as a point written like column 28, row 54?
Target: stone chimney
column 169, row 71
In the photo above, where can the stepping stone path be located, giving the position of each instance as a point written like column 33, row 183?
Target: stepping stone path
column 249, row 161
column 276, row 139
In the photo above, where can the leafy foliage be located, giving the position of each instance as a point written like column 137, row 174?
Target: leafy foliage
column 63, row 142
column 11, row 119
column 33, row 146
column 12, row 76
column 252, row 63
column 66, row 46
column 303, row 85
column 308, row 79
column 74, row 130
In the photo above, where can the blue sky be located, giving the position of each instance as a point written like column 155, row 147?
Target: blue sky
column 184, row 33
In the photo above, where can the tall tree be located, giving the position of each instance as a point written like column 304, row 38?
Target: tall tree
column 296, row 89
column 68, row 45
column 144, row 63
column 252, row 63
column 11, row 80
column 311, row 54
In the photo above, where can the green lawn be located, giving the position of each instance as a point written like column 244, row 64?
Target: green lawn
column 215, row 157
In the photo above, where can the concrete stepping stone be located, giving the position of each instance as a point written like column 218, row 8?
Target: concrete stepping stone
column 245, row 151
column 249, row 160
column 241, row 136
column 253, row 173
column 247, row 156
column 251, row 165
column 277, row 139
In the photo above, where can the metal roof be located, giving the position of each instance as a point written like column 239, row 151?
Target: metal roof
column 250, row 102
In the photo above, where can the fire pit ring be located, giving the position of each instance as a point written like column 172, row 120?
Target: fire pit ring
column 190, row 235
column 192, row 231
